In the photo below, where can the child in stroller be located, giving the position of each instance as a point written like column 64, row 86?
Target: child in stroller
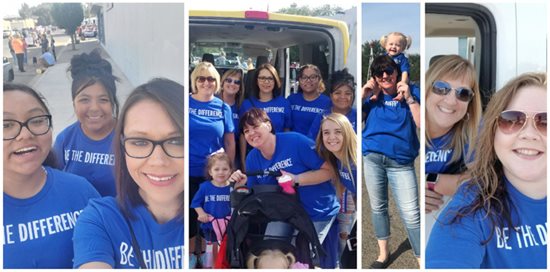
column 246, row 244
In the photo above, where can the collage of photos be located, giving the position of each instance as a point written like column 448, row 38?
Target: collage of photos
column 275, row 135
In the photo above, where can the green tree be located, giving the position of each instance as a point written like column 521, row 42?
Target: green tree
column 414, row 61
column 43, row 14
column 294, row 9
column 68, row 16
column 25, row 11
column 325, row 10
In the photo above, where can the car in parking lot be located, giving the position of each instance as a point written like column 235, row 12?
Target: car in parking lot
column 8, row 70
column 89, row 32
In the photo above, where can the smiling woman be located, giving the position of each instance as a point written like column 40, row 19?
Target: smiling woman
column 96, row 107
column 147, row 215
column 506, row 197
column 41, row 203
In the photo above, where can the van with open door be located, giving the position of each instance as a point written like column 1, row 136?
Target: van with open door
column 502, row 40
column 234, row 38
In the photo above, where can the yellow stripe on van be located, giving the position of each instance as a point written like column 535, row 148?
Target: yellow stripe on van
column 284, row 18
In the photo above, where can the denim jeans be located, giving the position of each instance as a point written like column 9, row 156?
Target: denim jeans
column 381, row 171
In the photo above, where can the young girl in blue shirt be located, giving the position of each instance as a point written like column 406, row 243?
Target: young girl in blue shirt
column 95, row 104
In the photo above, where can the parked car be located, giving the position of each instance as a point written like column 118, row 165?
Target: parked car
column 89, row 32
column 8, row 70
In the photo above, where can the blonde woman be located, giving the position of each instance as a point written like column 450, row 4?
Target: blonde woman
column 336, row 144
column 210, row 128
column 453, row 113
column 232, row 93
column 498, row 218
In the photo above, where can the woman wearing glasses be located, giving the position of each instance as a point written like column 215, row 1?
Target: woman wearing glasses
column 497, row 219
column 390, row 146
column 210, row 129
column 453, row 113
column 143, row 226
column 232, row 93
column 266, row 95
column 85, row 147
column 310, row 101
column 41, row 203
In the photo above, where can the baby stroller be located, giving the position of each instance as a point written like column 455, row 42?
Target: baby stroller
column 253, row 211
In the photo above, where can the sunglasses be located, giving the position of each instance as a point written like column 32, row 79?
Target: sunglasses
column 236, row 81
column 513, row 121
column 380, row 73
column 443, row 88
column 202, row 79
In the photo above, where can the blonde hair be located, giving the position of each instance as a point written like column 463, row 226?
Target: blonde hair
column 348, row 153
column 240, row 94
column 213, row 158
column 487, row 171
column 464, row 131
column 204, row 66
column 406, row 41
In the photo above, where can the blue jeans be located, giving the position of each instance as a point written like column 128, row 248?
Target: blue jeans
column 381, row 171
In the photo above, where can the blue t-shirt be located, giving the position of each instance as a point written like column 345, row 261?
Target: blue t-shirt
column 390, row 129
column 459, row 245
column 278, row 110
column 102, row 235
column 403, row 62
column 94, row 160
column 295, row 153
column 348, row 179
column 38, row 231
column 213, row 200
column 316, row 125
column 304, row 112
column 439, row 154
column 208, row 122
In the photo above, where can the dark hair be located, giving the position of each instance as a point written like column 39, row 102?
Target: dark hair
column 51, row 159
column 342, row 77
column 273, row 71
column 89, row 69
column 254, row 117
column 381, row 63
column 170, row 95
column 301, row 71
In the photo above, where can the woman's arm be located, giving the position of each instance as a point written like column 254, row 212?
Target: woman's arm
column 313, row 177
column 229, row 145
column 242, row 146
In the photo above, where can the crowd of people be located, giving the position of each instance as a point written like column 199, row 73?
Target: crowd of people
column 265, row 133
column 109, row 193
column 18, row 44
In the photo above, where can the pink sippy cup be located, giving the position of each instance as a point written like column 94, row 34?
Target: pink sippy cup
column 285, row 182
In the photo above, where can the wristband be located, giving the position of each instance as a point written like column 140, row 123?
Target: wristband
column 411, row 100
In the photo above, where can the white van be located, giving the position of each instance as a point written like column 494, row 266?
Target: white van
column 502, row 40
column 230, row 38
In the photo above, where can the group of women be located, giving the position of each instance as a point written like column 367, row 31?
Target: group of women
column 493, row 168
column 271, row 129
column 109, row 194
column 121, row 172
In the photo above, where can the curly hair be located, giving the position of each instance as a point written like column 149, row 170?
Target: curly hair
column 90, row 68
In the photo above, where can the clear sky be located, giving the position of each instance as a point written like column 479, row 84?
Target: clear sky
column 381, row 19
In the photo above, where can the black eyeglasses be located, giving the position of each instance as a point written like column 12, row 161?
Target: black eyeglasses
column 513, row 121
column 202, row 79
column 387, row 70
column 309, row 78
column 236, row 81
column 141, row 148
column 38, row 125
column 443, row 88
column 266, row 79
